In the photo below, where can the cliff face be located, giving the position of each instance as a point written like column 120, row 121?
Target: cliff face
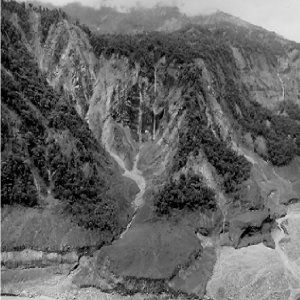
column 176, row 113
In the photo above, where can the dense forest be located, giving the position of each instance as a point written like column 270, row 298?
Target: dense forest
column 46, row 147
column 188, row 193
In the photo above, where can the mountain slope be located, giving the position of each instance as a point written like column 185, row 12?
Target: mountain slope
column 50, row 159
column 181, row 113
column 265, row 74
column 186, row 102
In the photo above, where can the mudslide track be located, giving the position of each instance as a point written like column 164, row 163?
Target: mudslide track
column 134, row 174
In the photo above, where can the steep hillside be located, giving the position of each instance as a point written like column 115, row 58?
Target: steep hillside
column 270, row 71
column 179, row 99
column 57, row 181
column 196, row 117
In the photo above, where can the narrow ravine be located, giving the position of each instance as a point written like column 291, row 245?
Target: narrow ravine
column 134, row 174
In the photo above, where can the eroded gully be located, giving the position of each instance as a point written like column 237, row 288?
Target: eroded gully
column 134, row 174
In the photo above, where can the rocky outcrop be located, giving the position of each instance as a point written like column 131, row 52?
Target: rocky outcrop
column 250, row 228
column 259, row 272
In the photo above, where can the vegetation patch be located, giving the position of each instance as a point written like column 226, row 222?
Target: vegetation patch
column 188, row 193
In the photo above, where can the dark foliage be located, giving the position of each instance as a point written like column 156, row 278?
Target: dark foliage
column 188, row 193
column 10, row 7
column 44, row 139
column 181, row 47
column 17, row 182
column 46, row 146
column 84, row 28
column 233, row 168
column 292, row 110
column 48, row 18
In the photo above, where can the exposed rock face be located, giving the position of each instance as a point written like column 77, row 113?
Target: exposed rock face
column 246, row 225
column 139, row 117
